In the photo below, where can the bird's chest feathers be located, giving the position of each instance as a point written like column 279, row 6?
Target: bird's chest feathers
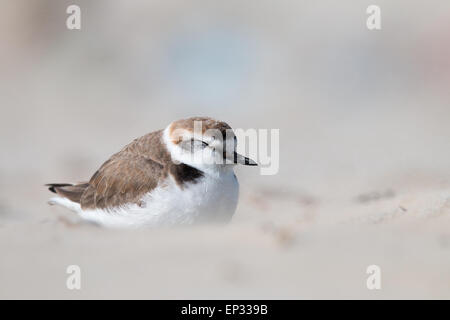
column 207, row 193
column 207, row 197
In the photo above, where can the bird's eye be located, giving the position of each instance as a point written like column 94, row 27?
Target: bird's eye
column 197, row 144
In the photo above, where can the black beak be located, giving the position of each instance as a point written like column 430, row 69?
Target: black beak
column 243, row 160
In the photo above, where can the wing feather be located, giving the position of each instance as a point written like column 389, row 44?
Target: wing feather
column 122, row 180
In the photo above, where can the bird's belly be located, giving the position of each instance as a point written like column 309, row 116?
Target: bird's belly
column 208, row 200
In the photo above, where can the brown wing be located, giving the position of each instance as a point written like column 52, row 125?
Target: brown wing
column 122, row 180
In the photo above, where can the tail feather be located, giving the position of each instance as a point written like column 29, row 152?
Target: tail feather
column 73, row 192
column 52, row 186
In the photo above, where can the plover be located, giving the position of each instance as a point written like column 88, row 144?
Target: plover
column 183, row 174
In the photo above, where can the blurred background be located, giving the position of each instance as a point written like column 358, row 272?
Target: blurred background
column 364, row 144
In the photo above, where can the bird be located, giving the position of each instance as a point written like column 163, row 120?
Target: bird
column 180, row 175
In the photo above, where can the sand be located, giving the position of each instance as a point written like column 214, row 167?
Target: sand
column 278, row 246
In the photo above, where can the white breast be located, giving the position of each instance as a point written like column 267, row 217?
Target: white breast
column 209, row 199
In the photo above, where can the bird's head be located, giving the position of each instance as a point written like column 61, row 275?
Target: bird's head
column 204, row 143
